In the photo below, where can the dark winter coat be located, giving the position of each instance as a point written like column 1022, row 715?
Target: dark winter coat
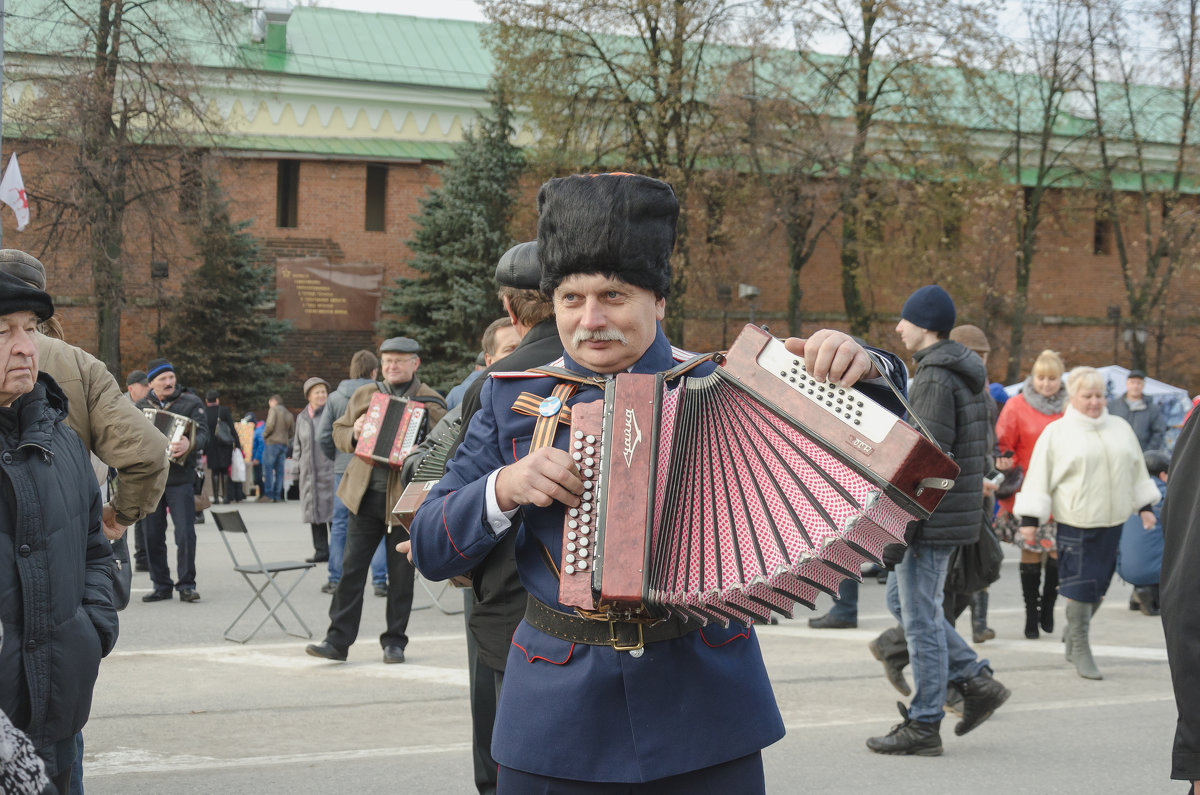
column 1146, row 420
column 949, row 394
column 56, row 597
column 182, row 401
column 335, row 407
column 314, row 469
column 1179, row 594
column 220, row 456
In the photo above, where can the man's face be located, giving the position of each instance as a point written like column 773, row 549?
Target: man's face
column 138, row 391
column 1135, row 388
column 163, row 384
column 399, row 368
column 913, row 336
column 506, row 342
column 606, row 324
column 18, row 355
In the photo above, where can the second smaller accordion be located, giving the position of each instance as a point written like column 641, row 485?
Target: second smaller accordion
column 392, row 428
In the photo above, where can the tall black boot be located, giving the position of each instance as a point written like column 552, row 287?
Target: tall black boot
column 1031, row 578
column 1049, row 594
column 980, row 631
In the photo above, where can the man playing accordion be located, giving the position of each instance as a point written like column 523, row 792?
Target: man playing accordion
column 684, row 707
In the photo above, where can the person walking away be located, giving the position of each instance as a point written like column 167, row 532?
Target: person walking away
column 276, row 436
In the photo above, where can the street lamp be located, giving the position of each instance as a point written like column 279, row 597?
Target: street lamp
column 750, row 293
column 724, row 293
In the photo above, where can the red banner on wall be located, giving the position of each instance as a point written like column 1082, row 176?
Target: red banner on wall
column 319, row 295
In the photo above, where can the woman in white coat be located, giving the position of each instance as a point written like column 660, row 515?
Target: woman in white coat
column 1087, row 469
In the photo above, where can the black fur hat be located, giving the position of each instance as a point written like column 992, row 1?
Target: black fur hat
column 618, row 224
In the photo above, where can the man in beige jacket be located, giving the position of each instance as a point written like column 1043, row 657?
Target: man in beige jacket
column 98, row 411
column 276, row 435
column 369, row 492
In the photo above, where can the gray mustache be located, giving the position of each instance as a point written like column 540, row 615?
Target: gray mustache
column 582, row 335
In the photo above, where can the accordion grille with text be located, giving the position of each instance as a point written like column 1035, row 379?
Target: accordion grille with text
column 736, row 494
column 392, row 428
column 173, row 426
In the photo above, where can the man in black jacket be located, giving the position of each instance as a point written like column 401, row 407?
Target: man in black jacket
column 948, row 394
column 56, row 597
column 1179, row 596
column 498, row 599
column 179, row 496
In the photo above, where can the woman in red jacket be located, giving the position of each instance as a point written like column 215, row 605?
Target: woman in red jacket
column 1042, row 400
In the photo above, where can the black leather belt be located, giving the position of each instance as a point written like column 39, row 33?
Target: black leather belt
column 621, row 635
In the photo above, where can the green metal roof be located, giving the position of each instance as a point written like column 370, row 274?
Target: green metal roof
column 385, row 48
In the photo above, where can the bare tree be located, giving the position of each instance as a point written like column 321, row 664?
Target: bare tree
column 627, row 83
column 1029, row 97
column 885, row 86
column 118, row 101
column 1145, row 150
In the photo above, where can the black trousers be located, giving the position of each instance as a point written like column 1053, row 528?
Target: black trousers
column 743, row 776
column 363, row 534
column 181, row 500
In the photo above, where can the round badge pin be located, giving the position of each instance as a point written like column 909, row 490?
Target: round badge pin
column 550, row 406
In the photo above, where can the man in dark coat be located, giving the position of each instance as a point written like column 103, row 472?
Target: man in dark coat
column 498, row 598
column 1141, row 414
column 1179, row 598
column 56, row 599
column 179, row 496
column 948, row 394
column 592, row 710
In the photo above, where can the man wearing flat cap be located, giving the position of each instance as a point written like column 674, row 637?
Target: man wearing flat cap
column 1142, row 414
column 496, row 601
column 56, row 591
column 690, row 708
column 369, row 491
column 166, row 394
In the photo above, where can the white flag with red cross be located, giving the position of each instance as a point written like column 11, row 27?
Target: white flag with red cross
column 12, row 192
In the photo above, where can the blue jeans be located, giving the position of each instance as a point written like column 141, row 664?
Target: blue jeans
column 937, row 654
column 273, row 457
column 845, row 606
column 337, row 542
column 77, row 768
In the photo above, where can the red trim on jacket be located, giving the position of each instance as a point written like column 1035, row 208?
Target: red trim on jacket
column 570, row 651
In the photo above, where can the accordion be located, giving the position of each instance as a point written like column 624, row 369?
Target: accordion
column 428, row 472
column 392, row 428
column 737, row 494
column 173, row 426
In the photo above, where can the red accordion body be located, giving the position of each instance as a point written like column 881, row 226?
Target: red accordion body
column 392, row 428
column 739, row 493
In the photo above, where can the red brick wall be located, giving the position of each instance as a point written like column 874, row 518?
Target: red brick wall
column 1069, row 282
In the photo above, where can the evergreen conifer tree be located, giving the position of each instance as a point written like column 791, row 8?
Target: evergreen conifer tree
column 218, row 336
column 463, row 228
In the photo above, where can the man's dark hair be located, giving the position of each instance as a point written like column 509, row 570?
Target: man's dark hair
column 363, row 363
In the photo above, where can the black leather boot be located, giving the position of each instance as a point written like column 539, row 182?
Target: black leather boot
column 909, row 738
column 1049, row 594
column 980, row 631
column 891, row 649
column 1031, row 578
column 981, row 696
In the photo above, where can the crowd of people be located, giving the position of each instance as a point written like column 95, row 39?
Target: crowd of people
column 1071, row 477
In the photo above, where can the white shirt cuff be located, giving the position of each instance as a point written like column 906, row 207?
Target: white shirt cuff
column 499, row 521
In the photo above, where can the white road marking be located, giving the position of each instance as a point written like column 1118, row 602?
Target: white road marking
column 1158, row 654
column 132, row 761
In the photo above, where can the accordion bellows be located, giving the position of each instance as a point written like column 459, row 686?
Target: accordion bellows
column 740, row 493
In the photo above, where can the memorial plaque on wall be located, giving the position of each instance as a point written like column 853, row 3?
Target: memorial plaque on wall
column 319, row 295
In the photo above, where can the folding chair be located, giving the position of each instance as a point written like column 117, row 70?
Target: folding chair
column 437, row 598
column 231, row 522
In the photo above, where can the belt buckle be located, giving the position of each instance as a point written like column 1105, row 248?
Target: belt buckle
column 616, row 643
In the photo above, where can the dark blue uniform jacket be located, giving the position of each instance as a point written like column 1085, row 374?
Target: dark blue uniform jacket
column 589, row 712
